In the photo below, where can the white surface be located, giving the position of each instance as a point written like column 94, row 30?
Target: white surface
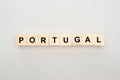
column 59, row 63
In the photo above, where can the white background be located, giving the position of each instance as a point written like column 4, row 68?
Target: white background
column 59, row 63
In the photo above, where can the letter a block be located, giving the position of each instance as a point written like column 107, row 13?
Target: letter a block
column 88, row 39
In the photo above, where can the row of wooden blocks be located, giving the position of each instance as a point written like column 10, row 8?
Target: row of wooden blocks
column 59, row 39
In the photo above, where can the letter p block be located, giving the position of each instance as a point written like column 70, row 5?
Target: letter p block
column 21, row 40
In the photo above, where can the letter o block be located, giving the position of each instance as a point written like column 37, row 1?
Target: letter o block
column 32, row 39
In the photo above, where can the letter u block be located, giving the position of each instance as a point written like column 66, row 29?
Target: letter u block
column 65, row 39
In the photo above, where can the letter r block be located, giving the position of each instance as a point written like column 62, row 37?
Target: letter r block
column 43, row 40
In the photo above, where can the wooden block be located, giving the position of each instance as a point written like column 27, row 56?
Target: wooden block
column 98, row 39
column 54, row 39
column 88, row 39
column 59, row 39
column 21, row 40
column 32, row 40
column 65, row 39
column 77, row 39
column 43, row 40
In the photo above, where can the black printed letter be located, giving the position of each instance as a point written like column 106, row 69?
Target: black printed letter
column 32, row 39
column 21, row 39
column 87, row 39
column 77, row 39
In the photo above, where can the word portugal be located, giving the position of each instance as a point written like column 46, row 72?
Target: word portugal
column 59, row 39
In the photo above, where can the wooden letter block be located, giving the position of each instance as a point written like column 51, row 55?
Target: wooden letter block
column 32, row 40
column 21, row 40
column 54, row 40
column 43, row 40
column 98, row 39
column 65, row 39
column 88, row 39
column 77, row 39
column 59, row 39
